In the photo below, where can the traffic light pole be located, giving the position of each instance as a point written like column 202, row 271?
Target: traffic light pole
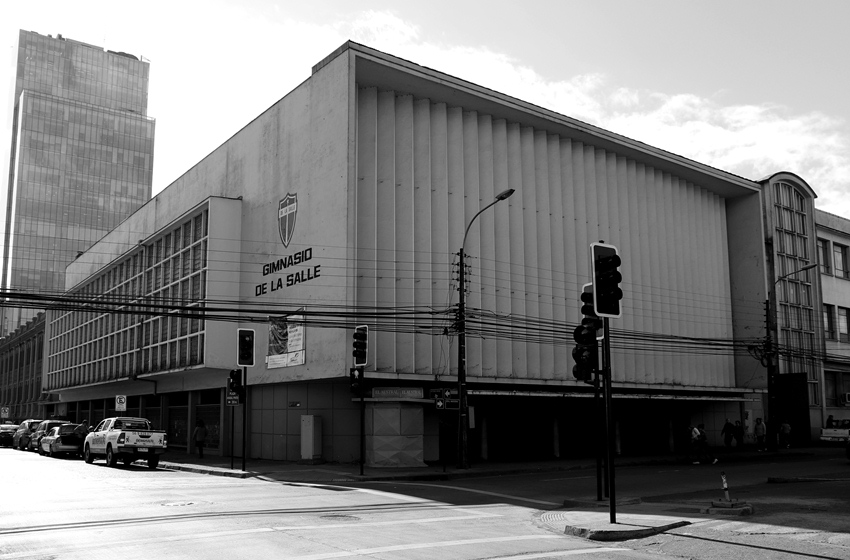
column 362, row 421
column 244, row 416
column 609, row 424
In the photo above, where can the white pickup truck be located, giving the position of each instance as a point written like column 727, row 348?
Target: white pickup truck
column 839, row 432
column 125, row 438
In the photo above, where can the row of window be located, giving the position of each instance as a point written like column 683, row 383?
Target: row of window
column 92, row 346
column 833, row 261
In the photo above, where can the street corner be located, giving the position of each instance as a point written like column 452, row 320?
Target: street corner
column 597, row 526
column 202, row 469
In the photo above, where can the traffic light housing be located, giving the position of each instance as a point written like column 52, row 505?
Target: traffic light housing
column 356, row 376
column 245, row 348
column 234, row 382
column 606, row 280
column 361, row 345
column 586, row 351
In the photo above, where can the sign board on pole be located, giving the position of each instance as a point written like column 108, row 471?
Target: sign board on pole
column 232, row 398
column 120, row 403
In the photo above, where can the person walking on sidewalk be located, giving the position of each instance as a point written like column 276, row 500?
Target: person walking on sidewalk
column 760, row 431
column 785, row 434
column 200, row 437
column 728, row 432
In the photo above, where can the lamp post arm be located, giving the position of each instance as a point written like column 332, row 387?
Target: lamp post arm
column 469, row 225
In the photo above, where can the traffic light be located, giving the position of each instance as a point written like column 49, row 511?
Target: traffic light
column 356, row 376
column 586, row 351
column 234, row 382
column 245, row 348
column 606, row 280
column 361, row 345
column 588, row 310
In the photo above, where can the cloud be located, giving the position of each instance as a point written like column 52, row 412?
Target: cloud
column 752, row 140
column 265, row 58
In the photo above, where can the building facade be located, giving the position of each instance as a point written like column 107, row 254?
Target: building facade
column 833, row 241
column 81, row 160
column 346, row 203
column 22, row 392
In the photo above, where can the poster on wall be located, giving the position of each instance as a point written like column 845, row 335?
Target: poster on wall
column 286, row 341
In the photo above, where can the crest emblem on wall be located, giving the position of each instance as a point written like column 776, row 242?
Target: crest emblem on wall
column 286, row 213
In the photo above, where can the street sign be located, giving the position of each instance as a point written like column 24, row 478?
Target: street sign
column 120, row 403
column 447, row 404
column 232, row 398
column 443, row 393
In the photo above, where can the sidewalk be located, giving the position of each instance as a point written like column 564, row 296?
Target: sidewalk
column 583, row 518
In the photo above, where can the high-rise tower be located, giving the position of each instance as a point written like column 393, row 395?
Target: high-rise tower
column 81, row 159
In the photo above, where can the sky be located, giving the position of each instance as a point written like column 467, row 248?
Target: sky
column 750, row 87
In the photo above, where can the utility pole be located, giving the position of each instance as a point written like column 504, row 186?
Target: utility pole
column 773, row 414
column 463, row 404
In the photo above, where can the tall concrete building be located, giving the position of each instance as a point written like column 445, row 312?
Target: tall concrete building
column 347, row 203
column 81, row 160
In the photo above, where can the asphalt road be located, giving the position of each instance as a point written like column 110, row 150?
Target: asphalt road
column 61, row 508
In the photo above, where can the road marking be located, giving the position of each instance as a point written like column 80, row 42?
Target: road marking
column 419, row 546
column 486, row 493
column 383, row 523
column 568, row 478
column 561, row 553
column 76, row 547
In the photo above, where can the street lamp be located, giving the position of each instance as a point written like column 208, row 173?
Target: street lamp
column 772, row 368
column 463, row 405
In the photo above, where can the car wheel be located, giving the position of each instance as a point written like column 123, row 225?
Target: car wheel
column 111, row 459
column 88, row 456
column 153, row 461
column 40, row 450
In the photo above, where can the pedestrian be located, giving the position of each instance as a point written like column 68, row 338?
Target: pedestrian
column 705, row 455
column 760, row 431
column 785, row 434
column 739, row 434
column 728, row 433
column 830, row 422
column 200, row 436
column 693, row 433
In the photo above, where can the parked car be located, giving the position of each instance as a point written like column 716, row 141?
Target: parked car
column 7, row 434
column 21, row 439
column 67, row 438
column 41, row 430
column 127, row 439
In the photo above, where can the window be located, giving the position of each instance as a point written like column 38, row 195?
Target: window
column 823, row 256
column 842, row 325
column 839, row 256
column 837, row 384
column 829, row 322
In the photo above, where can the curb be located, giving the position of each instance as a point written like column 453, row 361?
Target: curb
column 608, row 535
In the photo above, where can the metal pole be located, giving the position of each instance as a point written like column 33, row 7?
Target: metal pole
column 362, row 421
column 463, row 405
column 232, row 435
column 599, row 409
column 463, row 411
column 609, row 414
column 244, row 417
